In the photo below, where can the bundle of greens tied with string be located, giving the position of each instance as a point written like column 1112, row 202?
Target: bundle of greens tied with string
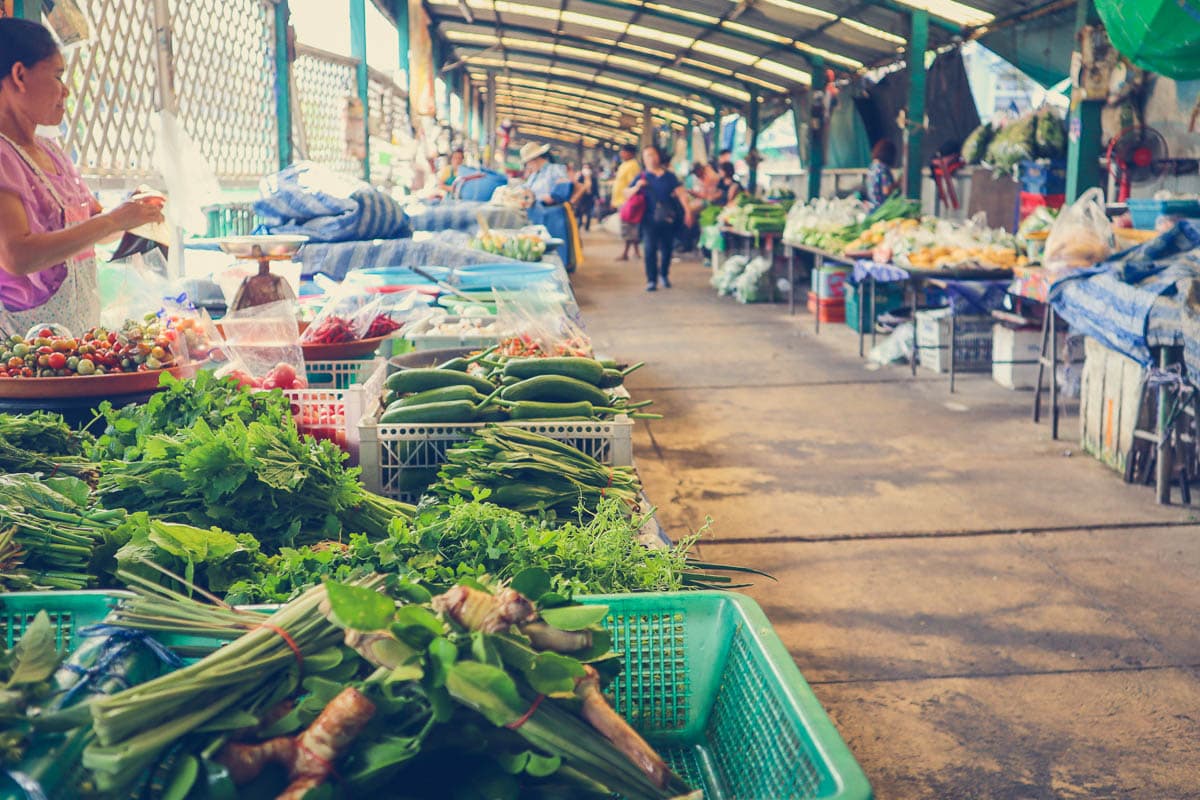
column 485, row 689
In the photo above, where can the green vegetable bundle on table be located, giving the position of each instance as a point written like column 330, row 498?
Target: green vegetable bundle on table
column 484, row 690
column 463, row 390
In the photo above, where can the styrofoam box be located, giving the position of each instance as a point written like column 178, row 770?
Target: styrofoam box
column 1015, row 355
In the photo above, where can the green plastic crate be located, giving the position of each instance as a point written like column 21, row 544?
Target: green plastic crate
column 888, row 297
column 706, row 681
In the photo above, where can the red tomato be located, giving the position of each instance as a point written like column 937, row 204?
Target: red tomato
column 283, row 375
column 57, row 361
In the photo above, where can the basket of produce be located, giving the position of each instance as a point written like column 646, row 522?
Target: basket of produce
column 333, row 412
column 536, row 694
column 426, row 411
column 521, row 246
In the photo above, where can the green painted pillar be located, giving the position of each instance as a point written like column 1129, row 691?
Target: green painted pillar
column 400, row 9
column 28, row 9
column 816, row 131
column 687, row 131
column 358, row 51
column 716, row 143
column 1085, row 140
column 752, row 126
column 443, row 97
column 918, row 43
column 283, row 82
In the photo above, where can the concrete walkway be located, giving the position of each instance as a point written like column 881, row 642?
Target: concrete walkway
column 983, row 612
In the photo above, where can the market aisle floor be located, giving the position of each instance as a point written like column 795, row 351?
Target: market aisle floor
column 984, row 613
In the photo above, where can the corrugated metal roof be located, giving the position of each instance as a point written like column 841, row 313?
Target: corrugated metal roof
column 690, row 56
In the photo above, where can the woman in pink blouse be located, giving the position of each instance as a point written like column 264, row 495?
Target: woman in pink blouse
column 49, row 220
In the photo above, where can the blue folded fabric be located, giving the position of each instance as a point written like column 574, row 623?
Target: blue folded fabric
column 303, row 199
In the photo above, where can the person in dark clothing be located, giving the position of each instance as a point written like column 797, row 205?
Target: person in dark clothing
column 666, row 208
column 728, row 187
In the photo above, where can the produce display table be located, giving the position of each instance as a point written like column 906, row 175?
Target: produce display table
column 870, row 272
column 819, row 258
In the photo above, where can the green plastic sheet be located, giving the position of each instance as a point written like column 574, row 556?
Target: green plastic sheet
column 1162, row 36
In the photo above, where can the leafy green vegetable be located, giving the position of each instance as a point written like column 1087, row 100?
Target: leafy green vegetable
column 211, row 559
column 42, row 432
column 178, row 405
column 547, row 560
column 260, row 477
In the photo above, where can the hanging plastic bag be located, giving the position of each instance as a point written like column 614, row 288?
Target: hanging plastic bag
column 1081, row 236
column 132, row 288
column 263, row 343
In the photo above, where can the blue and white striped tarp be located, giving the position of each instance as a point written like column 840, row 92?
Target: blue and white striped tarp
column 305, row 199
column 463, row 215
column 336, row 259
column 1133, row 294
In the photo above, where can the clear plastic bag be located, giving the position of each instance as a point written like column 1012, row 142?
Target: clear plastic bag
column 350, row 314
column 132, row 288
column 1081, row 236
column 196, row 337
column 263, row 343
column 538, row 324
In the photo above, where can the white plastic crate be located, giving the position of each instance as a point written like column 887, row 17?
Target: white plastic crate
column 334, row 414
column 422, row 339
column 339, row 374
column 972, row 341
column 399, row 461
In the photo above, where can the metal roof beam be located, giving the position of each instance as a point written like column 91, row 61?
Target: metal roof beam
column 584, row 85
column 685, row 91
column 558, row 101
column 685, row 20
column 718, row 76
column 946, row 25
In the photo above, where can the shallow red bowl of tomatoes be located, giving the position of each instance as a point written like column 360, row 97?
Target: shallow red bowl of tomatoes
column 111, row 385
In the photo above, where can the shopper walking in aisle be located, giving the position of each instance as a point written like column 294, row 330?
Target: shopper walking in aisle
column 666, row 209
column 880, row 183
column 626, row 173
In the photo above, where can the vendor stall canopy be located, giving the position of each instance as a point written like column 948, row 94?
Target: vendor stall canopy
column 576, row 66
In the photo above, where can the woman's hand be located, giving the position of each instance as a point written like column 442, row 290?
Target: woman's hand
column 134, row 213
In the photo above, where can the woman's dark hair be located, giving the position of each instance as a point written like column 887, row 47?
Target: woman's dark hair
column 884, row 151
column 23, row 42
column 662, row 156
column 726, row 169
column 698, row 169
column 630, row 149
column 458, row 151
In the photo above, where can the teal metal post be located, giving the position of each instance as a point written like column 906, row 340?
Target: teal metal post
column 918, row 42
column 283, row 82
column 687, row 131
column 28, row 9
column 400, row 9
column 752, row 125
column 358, row 50
column 816, row 131
column 1085, row 141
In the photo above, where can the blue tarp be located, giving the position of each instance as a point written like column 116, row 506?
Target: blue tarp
column 337, row 259
column 463, row 215
column 1121, row 300
column 302, row 199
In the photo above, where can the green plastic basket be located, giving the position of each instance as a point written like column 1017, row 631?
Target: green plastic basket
column 706, row 680
column 709, row 683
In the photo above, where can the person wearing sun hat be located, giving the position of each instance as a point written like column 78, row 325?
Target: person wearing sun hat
column 542, row 175
column 552, row 187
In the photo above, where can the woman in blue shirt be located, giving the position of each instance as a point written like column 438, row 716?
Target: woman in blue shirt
column 666, row 209
column 880, row 183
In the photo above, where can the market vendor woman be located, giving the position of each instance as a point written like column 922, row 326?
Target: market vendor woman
column 49, row 221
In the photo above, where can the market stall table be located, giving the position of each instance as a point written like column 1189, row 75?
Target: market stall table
column 819, row 258
column 873, row 272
